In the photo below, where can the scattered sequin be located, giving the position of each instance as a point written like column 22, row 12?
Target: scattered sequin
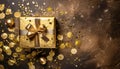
column 73, row 51
column 4, row 35
column 60, row 56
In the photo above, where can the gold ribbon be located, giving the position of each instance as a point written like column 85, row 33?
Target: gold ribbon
column 35, row 31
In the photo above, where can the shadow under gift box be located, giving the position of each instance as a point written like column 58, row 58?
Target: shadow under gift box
column 38, row 38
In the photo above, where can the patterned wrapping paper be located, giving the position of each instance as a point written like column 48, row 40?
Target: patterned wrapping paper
column 46, row 39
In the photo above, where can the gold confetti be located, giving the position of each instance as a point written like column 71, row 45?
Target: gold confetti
column 69, row 34
column 67, row 44
column 77, row 42
column 2, row 7
column 7, row 50
column 62, row 46
column 73, row 51
column 28, row 56
column 4, row 35
column 10, row 22
column 11, row 62
column 1, row 57
column 17, row 14
column 60, row 37
column 11, row 29
column 0, row 50
column 34, row 53
column 2, row 15
column 43, row 60
column 1, row 43
column 49, row 58
column 49, row 9
column 8, row 11
column 52, row 53
column 18, row 49
column 15, row 55
column 12, row 44
column 31, row 65
column 11, row 36
column 1, row 67
column 22, row 57
column 60, row 57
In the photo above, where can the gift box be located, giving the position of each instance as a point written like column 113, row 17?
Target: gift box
column 37, row 32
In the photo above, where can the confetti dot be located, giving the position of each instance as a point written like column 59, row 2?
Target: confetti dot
column 4, row 35
column 51, row 53
column 43, row 60
column 60, row 57
column 1, row 57
column 15, row 55
column 62, row 46
column 60, row 37
column 12, row 44
column 2, row 67
column 2, row 7
column 49, row 58
column 69, row 34
column 2, row 15
column 18, row 49
column 11, row 62
column 17, row 14
column 11, row 36
column 73, row 51
column 77, row 42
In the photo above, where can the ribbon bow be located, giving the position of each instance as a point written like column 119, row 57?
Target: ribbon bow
column 34, row 32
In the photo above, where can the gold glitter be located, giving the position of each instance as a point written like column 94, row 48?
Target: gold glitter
column 51, row 53
column 13, row 3
column 62, row 46
column 31, row 65
column 0, row 50
column 11, row 29
column 43, row 60
column 67, row 44
column 1, row 43
column 1, row 57
column 11, row 44
column 2, row 15
column 15, row 55
column 18, row 49
column 2, row 7
column 60, row 57
column 73, row 51
column 33, row 2
column 4, row 35
column 7, row 50
column 49, row 9
column 60, row 37
column 10, row 22
column 11, row 36
column 17, row 38
column 77, row 42
column 1, row 67
column 49, row 58
column 69, row 34
column 34, row 53
column 28, row 56
column 11, row 62
column 28, row 3
column 22, row 57
column 8, row 11
column 17, row 14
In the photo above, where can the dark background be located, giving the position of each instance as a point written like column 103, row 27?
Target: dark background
column 96, row 23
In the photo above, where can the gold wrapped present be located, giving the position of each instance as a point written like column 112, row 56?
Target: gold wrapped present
column 37, row 32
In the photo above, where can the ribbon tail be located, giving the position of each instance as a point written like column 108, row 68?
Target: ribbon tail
column 37, row 44
column 45, row 38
